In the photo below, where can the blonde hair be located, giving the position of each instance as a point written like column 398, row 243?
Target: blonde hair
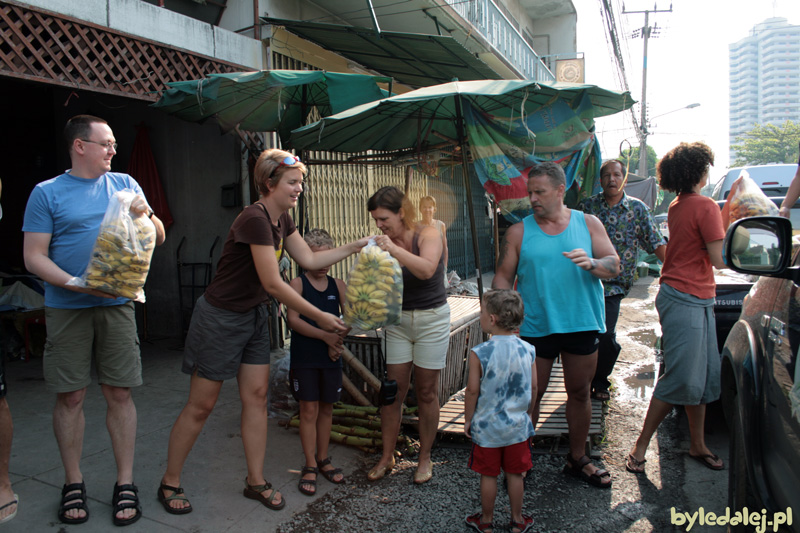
column 429, row 199
column 318, row 237
column 270, row 167
column 506, row 305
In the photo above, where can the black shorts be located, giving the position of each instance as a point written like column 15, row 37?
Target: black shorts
column 316, row 384
column 577, row 343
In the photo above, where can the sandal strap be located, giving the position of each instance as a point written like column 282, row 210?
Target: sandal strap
column 308, row 470
column 259, row 488
column 324, row 462
column 176, row 490
column 72, row 487
column 177, row 493
column 580, row 463
column 132, row 494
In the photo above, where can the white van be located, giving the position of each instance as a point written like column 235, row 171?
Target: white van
column 774, row 180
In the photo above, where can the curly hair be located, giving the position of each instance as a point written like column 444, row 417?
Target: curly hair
column 684, row 167
column 393, row 199
column 318, row 237
column 270, row 167
column 506, row 305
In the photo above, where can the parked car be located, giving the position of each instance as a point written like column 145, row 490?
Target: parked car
column 661, row 221
column 733, row 287
column 760, row 375
column 774, row 180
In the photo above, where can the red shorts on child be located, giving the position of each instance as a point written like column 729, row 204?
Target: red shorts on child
column 514, row 459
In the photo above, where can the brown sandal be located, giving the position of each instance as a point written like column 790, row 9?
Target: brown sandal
column 254, row 493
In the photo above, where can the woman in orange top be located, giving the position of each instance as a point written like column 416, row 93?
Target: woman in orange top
column 685, row 304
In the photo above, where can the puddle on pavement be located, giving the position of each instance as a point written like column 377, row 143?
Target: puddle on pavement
column 645, row 336
column 640, row 384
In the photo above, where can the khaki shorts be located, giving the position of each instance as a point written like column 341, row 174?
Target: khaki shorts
column 75, row 336
column 422, row 337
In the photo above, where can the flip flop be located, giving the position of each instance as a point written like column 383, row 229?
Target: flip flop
column 634, row 465
column 704, row 460
column 9, row 504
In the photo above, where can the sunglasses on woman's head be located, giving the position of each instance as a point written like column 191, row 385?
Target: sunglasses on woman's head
column 288, row 161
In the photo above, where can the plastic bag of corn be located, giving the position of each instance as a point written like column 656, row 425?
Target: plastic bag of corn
column 121, row 255
column 374, row 296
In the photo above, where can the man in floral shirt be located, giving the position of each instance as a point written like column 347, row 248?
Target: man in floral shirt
column 631, row 227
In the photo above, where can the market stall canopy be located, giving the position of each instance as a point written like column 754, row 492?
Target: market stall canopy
column 509, row 125
column 506, row 126
column 268, row 100
column 413, row 59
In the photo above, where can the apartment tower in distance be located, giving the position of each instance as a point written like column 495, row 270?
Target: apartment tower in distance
column 764, row 77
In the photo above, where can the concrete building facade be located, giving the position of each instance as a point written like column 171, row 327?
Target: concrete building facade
column 764, row 77
column 112, row 58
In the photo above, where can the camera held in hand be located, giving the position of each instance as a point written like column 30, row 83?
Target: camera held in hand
column 388, row 392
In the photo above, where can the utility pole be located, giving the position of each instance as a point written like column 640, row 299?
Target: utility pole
column 646, row 33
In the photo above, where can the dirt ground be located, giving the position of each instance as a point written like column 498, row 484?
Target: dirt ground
column 558, row 503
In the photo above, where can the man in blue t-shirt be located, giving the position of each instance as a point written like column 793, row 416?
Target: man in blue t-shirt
column 62, row 220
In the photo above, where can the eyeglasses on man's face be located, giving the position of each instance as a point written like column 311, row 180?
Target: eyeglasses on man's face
column 107, row 145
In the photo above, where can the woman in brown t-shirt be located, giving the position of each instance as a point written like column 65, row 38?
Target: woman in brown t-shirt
column 229, row 334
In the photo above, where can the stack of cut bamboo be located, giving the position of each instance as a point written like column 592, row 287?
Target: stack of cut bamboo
column 360, row 426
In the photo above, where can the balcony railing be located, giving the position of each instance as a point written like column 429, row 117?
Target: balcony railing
column 487, row 18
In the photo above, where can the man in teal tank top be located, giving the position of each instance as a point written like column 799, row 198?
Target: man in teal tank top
column 557, row 256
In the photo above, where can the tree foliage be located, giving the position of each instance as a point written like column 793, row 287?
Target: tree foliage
column 768, row 143
column 630, row 156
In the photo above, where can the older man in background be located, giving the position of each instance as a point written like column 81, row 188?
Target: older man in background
column 631, row 228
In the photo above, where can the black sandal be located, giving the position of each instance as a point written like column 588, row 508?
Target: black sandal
column 308, row 482
column 128, row 500
column 71, row 502
column 330, row 475
column 575, row 468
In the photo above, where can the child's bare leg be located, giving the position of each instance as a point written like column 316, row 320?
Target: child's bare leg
column 488, row 496
column 516, row 489
column 324, row 421
column 308, row 438
column 309, row 412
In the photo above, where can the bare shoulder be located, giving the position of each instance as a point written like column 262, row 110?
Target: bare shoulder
column 514, row 233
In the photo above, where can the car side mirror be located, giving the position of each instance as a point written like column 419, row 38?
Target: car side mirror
column 760, row 246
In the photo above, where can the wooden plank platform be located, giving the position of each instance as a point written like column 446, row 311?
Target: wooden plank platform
column 552, row 413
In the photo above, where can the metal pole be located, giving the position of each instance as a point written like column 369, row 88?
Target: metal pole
column 468, row 188
column 643, row 143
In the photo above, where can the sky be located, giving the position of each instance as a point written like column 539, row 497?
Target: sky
column 687, row 63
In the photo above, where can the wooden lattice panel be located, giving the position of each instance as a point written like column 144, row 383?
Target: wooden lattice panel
column 48, row 47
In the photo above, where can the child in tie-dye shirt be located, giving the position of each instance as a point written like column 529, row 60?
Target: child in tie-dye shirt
column 500, row 397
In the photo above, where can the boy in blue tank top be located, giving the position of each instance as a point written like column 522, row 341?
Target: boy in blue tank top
column 501, row 392
column 316, row 367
